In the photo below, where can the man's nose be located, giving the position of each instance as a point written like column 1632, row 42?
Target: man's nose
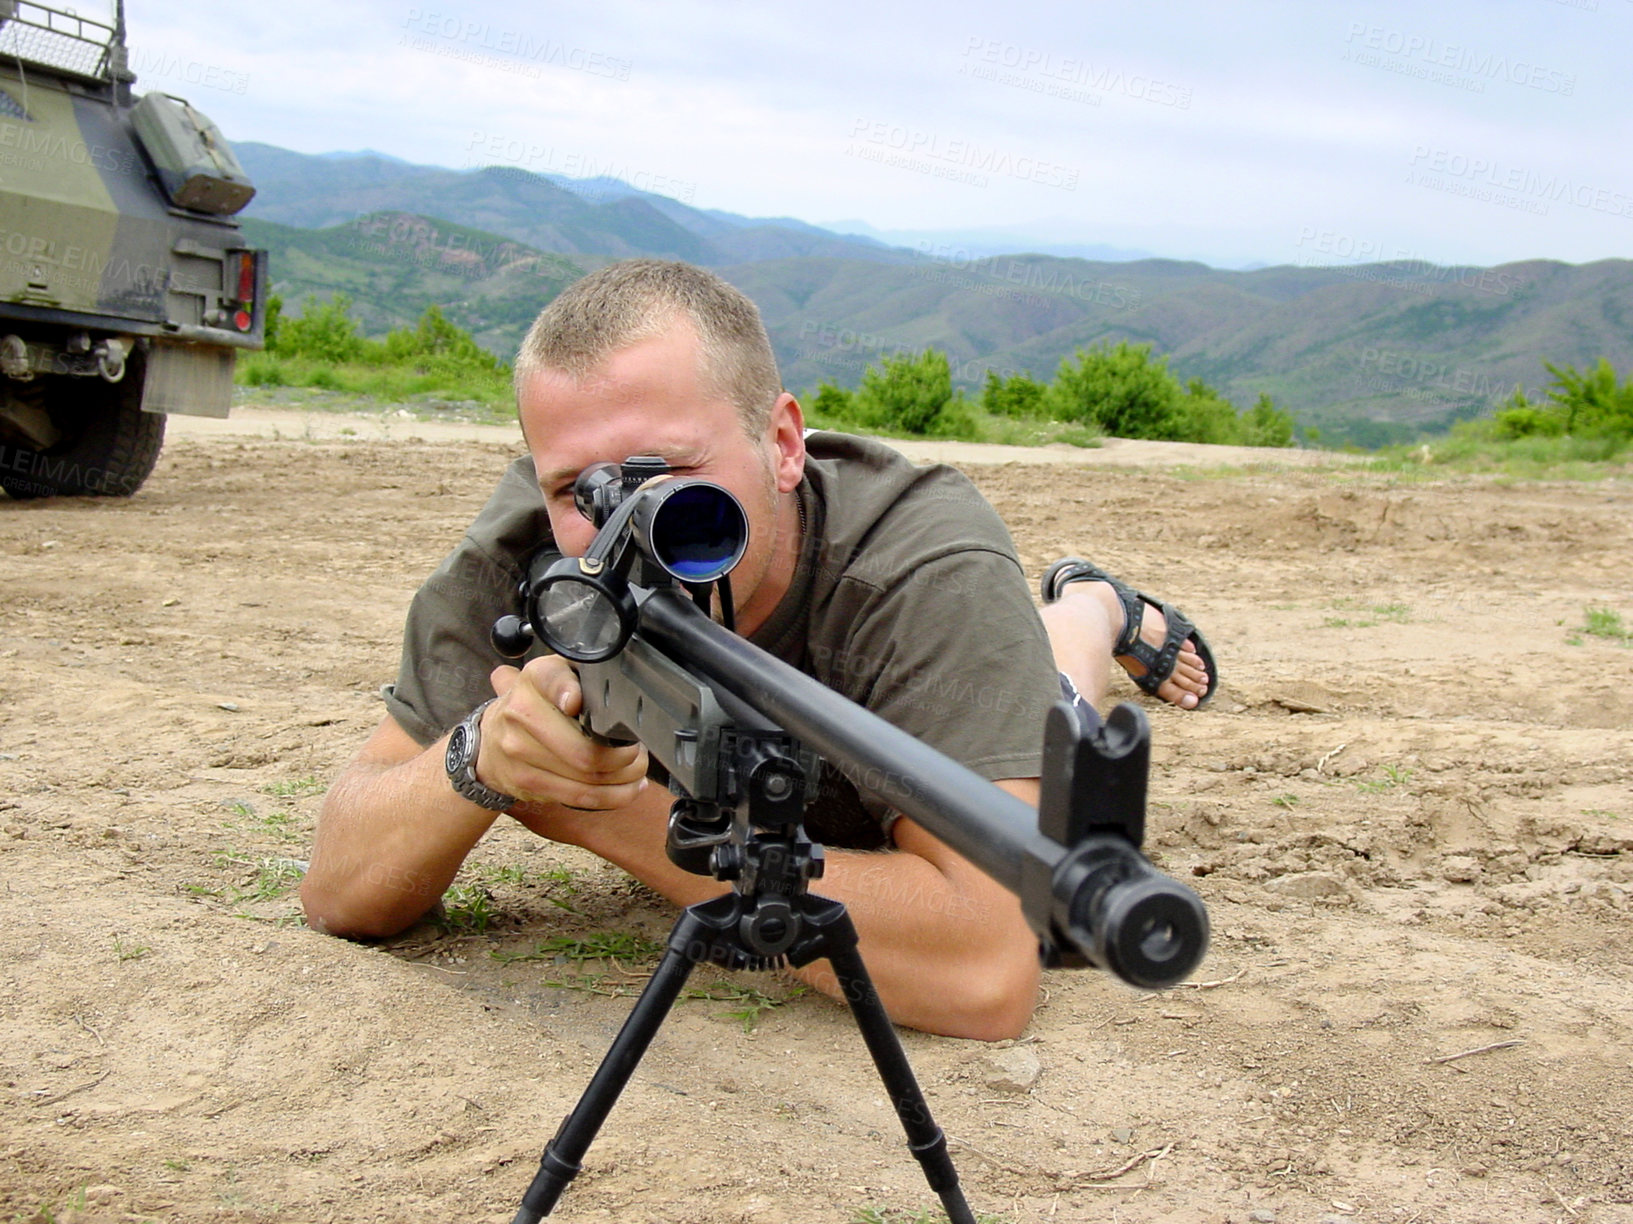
column 573, row 534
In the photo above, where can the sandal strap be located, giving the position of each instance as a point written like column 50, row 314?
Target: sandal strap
column 1158, row 661
column 1073, row 569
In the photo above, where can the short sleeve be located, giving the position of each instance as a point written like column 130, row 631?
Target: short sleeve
column 952, row 652
column 448, row 653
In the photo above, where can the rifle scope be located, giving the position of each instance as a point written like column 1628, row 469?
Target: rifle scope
column 693, row 531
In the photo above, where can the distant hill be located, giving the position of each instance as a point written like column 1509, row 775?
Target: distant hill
column 599, row 218
column 1366, row 353
column 394, row 265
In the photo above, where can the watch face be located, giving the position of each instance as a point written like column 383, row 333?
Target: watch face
column 457, row 743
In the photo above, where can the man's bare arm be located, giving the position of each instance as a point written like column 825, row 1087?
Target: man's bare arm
column 392, row 831
column 390, row 838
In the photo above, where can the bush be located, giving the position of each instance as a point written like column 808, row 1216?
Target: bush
column 1589, row 405
column 1015, row 396
column 1201, row 414
column 1119, row 389
column 324, row 348
column 1266, row 425
column 1526, row 421
column 436, row 345
column 905, row 392
column 324, row 331
column 833, row 403
column 261, row 370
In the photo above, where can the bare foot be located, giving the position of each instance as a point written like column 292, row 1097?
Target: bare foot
column 1188, row 684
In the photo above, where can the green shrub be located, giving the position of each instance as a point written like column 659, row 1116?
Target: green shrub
column 260, row 370
column 1264, row 424
column 324, row 331
column 833, row 403
column 1120, row 389
column 324, row 348
column 1201, row 414
column 1015, row 396
column 906, row 392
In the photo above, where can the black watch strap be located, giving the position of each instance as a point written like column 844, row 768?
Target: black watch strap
column 464, row 743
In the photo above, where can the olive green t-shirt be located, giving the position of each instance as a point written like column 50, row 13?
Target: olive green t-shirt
column 908, row 599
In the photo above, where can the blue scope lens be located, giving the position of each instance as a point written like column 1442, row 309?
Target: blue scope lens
column 696, row 530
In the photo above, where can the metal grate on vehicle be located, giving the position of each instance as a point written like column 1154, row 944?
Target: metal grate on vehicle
column 37, row 34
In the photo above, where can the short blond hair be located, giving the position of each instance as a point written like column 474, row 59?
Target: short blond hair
column 636, row 299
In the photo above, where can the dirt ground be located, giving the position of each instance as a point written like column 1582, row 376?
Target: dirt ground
column 1409, row 811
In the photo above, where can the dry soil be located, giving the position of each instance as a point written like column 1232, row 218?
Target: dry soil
column 1408, row 810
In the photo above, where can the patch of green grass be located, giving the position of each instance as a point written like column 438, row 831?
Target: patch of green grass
column 273, row 878
column 482, row 395
column 1286, row 801
column 279, row 825
column 754, row 1002
column 1606, row 623
column 503, row 873
column 467, row 908
column 566, row 881
column 129, row 952
column 577, row 949
column 269, row 877
column 294, row 789
column 1530, row 458
column 1035, row 431
column 1370, row 614
column 1393, row 776
column 580, row 952
column 907, row 1215
column 72, row 1208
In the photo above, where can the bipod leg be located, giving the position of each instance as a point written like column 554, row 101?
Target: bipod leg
column 560, row 1162
column 924, row 1138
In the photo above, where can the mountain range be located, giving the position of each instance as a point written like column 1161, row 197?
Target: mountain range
column 1367, row 353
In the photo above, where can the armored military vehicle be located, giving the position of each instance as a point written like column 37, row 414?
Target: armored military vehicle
column 126, row 286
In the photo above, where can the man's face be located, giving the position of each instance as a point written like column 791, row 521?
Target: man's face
column 650, row 399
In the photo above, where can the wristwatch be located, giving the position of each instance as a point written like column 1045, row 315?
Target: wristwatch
column 463, row 745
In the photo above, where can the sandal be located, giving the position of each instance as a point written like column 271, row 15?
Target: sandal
column 1158, row 662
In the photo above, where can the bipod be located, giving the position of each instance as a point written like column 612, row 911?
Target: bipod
column 769, row 919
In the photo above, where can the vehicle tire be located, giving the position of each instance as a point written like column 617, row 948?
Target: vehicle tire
column 108, row 448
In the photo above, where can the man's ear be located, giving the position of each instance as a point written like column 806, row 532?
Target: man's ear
column 786, row 434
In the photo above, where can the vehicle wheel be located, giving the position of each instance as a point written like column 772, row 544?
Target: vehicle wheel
column 108, row 448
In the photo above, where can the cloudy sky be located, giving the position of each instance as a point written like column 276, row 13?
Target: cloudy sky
column 1263, row 131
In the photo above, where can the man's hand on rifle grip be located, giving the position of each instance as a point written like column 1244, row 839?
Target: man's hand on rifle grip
column 534, row 748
